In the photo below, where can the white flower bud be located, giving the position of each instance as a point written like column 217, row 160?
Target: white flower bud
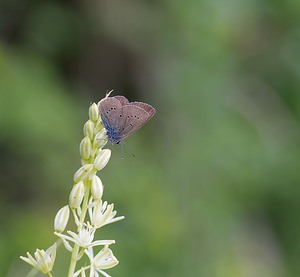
column 102, row 159
column 76, row 195
column 88, row 129
column 84, row 172
column 96, row 187
column 84, row 162
column 100, row 139
column 85, row 148
column 99, row 126
column 61, row 219
column 94, row 112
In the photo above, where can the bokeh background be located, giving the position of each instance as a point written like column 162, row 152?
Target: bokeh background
column 214, row 188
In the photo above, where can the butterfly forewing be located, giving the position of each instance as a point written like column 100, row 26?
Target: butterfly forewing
column 111, row 111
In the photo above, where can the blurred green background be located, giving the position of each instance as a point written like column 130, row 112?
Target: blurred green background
column 214, row 188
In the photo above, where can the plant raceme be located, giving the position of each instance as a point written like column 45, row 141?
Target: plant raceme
column 88, row 209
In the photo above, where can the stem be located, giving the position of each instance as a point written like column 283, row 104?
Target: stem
column 49, row 274
column 82, row 217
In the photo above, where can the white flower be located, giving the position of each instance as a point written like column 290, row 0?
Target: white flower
column 43, row 261
column 102, row 214
column 84, row 238
column 105, row 259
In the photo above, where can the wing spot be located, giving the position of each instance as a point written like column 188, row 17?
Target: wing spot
column 131, row 125
column 120, row 115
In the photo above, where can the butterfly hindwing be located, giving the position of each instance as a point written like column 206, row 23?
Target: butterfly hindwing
column 135, row 117
column 122, row 99
column 149, row 109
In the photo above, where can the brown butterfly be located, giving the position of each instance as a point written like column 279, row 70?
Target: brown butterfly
column 121, row 118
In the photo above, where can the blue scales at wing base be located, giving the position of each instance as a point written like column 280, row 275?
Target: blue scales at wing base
column 113, row 134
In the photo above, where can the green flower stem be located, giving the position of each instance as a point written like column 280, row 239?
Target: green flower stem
column 49, row 274
column 76, row 246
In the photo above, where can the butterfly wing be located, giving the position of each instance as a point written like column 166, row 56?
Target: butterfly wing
column 121, row 118
column 148, row 108
column 135, row 117
column 111, row 112
column 122, row 99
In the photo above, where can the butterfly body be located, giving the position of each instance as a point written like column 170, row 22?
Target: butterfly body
column 113, row 134
column 121, row 118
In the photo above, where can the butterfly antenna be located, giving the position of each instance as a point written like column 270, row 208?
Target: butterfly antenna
column 122, row 151
column 133, row 155
column 108, row 93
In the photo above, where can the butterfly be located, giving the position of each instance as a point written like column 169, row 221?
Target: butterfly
column 121, row 118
